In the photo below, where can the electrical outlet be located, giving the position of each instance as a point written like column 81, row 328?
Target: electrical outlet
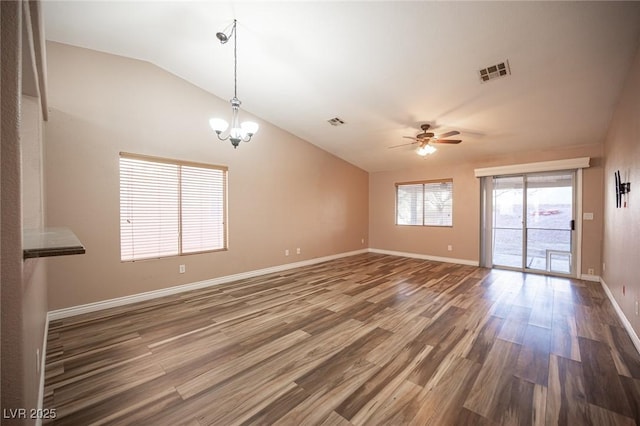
column 636, row 308
column 450, row 247
column 286, row 252
column 298, row 250
column 590, row 271
column 604, row 267
column 182, row 269
column 362, row 241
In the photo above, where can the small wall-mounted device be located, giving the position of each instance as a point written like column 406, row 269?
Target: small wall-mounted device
column 622, row 191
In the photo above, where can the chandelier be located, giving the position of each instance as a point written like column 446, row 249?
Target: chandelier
column 238, row 132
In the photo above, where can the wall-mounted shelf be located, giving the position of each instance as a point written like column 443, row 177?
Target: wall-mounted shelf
column 49, row 242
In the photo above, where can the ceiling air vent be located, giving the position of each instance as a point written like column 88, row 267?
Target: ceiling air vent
column 495, row 71
column 335, row 121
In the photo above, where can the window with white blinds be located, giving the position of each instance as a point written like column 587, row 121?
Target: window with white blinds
column 169, row 208
column 425, row 203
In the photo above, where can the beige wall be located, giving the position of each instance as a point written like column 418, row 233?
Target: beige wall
column 23, row 284
column 426, row 240
column 622, row 226
column 464, row 236
column 284, row 193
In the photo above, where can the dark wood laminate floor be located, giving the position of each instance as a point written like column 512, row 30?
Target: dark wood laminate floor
column 368, row 339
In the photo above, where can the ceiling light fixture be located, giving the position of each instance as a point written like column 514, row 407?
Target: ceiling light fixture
column 426, row 149
column 238, row 131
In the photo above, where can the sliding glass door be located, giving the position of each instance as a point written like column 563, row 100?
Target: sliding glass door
column 550, row 222
column 533, row 221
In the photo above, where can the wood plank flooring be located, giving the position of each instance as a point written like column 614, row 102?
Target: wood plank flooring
column 368, row 339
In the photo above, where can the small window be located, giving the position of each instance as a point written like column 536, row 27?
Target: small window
column 426, row 203
column 170, row 208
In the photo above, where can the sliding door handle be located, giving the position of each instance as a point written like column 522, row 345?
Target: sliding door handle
column 573, row 225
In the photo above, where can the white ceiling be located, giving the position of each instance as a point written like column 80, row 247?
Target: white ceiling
column 385, row 67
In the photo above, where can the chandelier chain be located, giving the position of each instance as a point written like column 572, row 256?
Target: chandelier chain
column 235, row 60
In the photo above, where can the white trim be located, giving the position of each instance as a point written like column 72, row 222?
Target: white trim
column 426, row 257
column 43, row 357
column 543, row 166
column 587, row 277
column 577, row 249
column 134, row 298
column 623, row 318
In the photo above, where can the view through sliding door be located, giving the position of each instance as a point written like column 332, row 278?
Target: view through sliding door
column 508, row 221
column 533, row 222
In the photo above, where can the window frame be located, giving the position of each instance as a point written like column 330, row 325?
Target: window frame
column 424, row 184
column 180, row 164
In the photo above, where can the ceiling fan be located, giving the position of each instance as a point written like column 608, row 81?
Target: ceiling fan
column 426, row 138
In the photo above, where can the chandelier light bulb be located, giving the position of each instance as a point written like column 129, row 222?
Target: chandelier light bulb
column 218, row 125
column 236, row 133
column 249, row 127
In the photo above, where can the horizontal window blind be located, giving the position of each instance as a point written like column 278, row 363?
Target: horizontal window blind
column 410, row 204
column 438, row 203
column 202, row 209
column 425, row 203
column 170, row 208
column 148, row 209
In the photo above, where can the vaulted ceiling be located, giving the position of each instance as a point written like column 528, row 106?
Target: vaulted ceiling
column 385, row 67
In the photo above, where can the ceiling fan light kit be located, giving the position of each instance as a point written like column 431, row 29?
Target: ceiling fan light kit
column 426, row 150
column 239, row 132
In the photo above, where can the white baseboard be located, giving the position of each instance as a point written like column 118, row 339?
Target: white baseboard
column 587, row 277
column 134, row 298
column 43, row 359
column 426, row 257
column 627, row 325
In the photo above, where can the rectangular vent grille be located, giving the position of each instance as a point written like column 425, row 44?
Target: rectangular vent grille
column 495, row 71
column 335, row 121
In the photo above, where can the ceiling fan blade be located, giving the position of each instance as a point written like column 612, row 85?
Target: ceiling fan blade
column 402, row 144
column 449, row 141
column 451, row 133
column 409, row 137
